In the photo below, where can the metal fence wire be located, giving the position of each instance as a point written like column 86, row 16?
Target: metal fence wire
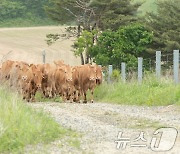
column 162, row 64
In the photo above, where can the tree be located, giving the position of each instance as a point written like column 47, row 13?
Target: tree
column 91, row 15
column 112, row 14
column 123, row 45
column 84, row 44
column 70, row 11
column 13, row 9
column 165, row 25
column 9, row 10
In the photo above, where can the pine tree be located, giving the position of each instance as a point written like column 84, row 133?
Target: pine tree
column 166, row 26
column 112, row 14
column 104, row 14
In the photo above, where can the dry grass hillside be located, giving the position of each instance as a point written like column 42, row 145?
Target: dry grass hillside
column 27, row 45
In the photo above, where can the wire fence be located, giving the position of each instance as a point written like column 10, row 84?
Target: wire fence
column 162, row 64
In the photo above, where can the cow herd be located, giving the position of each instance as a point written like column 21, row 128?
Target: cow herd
column 57, row 79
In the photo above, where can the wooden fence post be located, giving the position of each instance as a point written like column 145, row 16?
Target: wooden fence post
column 140, row 69
column 110, row 73
column 158, row 64
column 176, row 66
column 123, row 72
column 44, row 56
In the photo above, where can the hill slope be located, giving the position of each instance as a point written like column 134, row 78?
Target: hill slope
column 27, row 45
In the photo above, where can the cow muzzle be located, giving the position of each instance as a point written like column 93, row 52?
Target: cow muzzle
column 69, row 79
column 39, row 86
column 92, row 78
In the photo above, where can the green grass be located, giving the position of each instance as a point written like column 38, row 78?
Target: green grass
column 20, row 125
column 40, row 98
column 151, row 92
column 140, row 123
column 20, row 22
column 73, row 141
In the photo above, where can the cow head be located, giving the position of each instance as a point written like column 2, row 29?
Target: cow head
column 92, row 75
column 24, row 77
column 38, row 76
column 68, row 73
column 59, row 63
column 98, row 74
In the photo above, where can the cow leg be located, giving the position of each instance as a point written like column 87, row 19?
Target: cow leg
column 74, row 96
column 71, row 98
column 85, row 97
column 78, row 96
column 28, row 96
column 50, row 92
column 67, row 96
column 33, row 95
column 54, row 90
column 92, row 95
column 64, row 97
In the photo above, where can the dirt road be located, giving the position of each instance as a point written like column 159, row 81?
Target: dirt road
column 99, row 124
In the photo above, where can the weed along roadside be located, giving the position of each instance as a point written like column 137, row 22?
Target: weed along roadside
column 151, row 92
column 22, row 126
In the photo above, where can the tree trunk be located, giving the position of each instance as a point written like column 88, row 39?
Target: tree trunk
column 79, row 33
column 82, row 59
column 87, row 58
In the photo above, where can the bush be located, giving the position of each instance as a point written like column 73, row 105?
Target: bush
column 123, row 45
column 115, row 75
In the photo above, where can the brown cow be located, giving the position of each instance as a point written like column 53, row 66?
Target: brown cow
column 15, row 73
column 27, row 84
column 59, row 63
column 0, row 71
column 76, row 84
column 63, row 82
column 36, row 80
column 98, row 74
column 48, row 82
column 5, row 69
column 87, row 77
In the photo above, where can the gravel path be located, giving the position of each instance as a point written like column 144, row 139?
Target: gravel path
column 99, row 124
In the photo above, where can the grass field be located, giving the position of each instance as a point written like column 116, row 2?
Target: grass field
column 32, row 22
column 151, row 92
column 27, row 45
column 21, row 125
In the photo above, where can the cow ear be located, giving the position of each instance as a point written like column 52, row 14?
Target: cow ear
column 73, row 69
column 30, row 65
column 60, row 68
column 55, row 63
